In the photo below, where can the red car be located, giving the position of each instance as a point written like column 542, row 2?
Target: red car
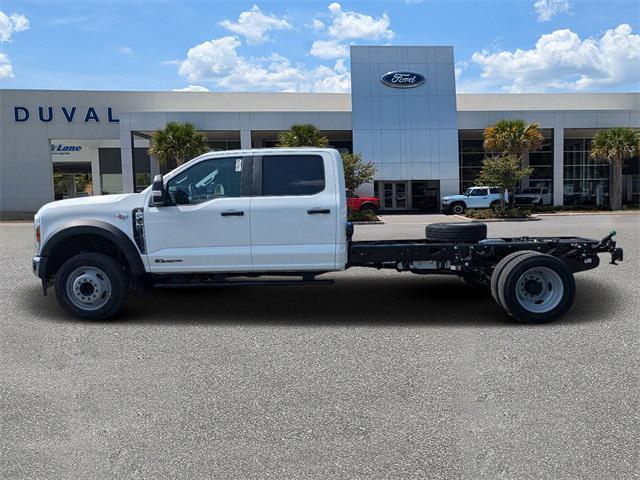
column 363, row 204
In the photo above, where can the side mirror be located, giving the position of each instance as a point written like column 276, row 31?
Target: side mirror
column 158, row 192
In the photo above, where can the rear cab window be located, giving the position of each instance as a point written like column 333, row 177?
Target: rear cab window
column 292, row 175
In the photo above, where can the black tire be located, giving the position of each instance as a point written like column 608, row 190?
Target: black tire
column 495, row 204
column 511, row 282
column 471, row 232
column 368, row 207
column 499, row 268
column 113, row 297
column 458, row 208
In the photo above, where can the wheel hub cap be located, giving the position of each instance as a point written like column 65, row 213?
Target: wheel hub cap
column 88, row 288
column 539, row 290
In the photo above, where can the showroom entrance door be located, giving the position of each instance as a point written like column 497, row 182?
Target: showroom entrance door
column 394, row 196
column 72, row 179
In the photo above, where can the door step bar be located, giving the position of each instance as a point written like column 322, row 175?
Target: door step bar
column 215, row 281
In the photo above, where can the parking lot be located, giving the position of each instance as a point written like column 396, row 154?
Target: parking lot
column 384, row 375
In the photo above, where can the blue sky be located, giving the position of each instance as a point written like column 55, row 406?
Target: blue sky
column 500, row 46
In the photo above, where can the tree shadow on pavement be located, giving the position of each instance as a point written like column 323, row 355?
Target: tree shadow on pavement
column 407, row 300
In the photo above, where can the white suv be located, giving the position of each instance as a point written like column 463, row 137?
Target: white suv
column 474, row 197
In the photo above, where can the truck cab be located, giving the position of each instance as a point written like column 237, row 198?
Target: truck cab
column 240, row 212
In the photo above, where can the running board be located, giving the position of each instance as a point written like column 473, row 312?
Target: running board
column 238, row 283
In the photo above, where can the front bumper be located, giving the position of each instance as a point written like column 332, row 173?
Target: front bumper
column 39, row 266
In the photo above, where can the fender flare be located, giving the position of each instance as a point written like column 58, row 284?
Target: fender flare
column 103, row 229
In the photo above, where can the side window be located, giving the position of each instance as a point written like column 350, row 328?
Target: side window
column 494, row 191
column 292, row 174
column 206, row 180
column 478, row 192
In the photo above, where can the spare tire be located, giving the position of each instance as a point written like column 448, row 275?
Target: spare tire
column 456, row 232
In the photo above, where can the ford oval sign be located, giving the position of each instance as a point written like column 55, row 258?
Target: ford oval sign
column 401, row 79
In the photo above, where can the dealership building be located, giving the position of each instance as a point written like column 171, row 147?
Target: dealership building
column 403, row 114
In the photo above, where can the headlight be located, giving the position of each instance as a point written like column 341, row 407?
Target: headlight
column 445, row 200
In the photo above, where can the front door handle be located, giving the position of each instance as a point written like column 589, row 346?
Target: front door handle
column 232, row 213
column 313, row 211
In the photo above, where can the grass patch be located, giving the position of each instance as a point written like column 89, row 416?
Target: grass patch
column 366, row 216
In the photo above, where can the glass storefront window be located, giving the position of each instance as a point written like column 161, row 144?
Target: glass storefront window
column 72, row 179
column 586, row 180
column 472, row 154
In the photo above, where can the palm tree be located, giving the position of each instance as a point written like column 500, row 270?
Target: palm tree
column 512, row 139
column 176, row 143
column 515, row 138
column 615, row 145
column 305, row 135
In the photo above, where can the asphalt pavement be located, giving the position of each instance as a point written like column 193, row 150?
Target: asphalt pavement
column 383, row 375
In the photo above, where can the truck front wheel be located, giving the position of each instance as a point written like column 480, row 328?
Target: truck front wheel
column 92, row 286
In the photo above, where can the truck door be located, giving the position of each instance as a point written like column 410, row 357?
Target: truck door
column 294, row 212
column 205, row 228
column 478, row 198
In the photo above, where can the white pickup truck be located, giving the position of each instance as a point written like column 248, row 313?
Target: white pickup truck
column 276, row 216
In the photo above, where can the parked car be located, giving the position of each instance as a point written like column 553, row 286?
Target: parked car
column 363, row 204
column 533, row 196
column 474, row 197
column 278, row 217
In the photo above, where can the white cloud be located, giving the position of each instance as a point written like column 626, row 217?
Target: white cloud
column 210, row 59
column 353, row 25
column 561, row 60
column 217, row 61
column 6, row 69
column 10, row 24
column 547, row 9
column 460, row 67
column 254, row 25
column 317, row 25
column 329, row 49
column 126, row 51
column 192, row 88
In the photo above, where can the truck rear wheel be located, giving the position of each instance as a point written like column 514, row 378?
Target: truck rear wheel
column 536, row 288
column 456, row 232
column 499, row 268
column 91, row 286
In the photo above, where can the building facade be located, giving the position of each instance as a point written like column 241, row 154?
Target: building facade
column 403, row 114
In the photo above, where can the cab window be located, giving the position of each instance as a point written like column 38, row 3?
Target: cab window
column 478, row 192
column 206, row 180
column 292, row 174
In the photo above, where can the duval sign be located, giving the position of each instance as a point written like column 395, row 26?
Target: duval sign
column 66, row 113
column 402, row 79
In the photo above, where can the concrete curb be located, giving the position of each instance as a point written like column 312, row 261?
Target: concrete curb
column 528, row 219
column 378, row 222
column 570, row 214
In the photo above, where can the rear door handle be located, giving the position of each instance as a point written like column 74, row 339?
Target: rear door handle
column 232, row 213
column 313, row 211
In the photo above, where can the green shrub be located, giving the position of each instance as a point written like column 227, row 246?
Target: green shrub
column 364, row 216
column 489, row 213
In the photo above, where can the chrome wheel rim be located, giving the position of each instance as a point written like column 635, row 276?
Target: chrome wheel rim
column 539, row 290
column 88, row 288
